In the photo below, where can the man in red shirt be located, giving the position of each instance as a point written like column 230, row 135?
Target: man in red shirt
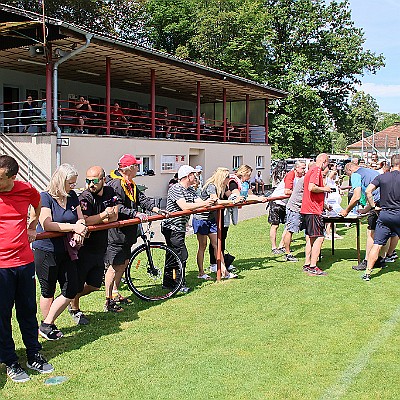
column 17, row 271
column 311, row 209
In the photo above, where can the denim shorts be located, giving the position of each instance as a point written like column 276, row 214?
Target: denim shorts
column 204, row 226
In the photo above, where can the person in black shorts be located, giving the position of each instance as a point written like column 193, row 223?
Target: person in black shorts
column 388, row 222
column 98, row 205
column 120, row 240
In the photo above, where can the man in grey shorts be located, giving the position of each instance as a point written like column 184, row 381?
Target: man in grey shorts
column 293, row 216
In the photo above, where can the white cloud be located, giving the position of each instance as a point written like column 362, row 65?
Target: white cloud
column 380, row 90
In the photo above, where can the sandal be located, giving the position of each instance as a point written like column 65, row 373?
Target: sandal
column 121, row 299
column 205, row 277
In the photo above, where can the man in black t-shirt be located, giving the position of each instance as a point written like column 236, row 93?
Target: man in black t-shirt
column 99, row 205
column 388, row 222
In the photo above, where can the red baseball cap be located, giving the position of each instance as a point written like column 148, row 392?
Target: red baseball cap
column 127, row 160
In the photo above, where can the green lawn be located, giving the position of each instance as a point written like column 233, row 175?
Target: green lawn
column 275, row 333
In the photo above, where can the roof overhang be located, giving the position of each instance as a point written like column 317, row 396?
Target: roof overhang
column 131, row 64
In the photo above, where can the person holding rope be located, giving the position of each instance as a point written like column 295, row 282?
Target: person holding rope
column 120, row 240
column 17, row 271
column 99, row 206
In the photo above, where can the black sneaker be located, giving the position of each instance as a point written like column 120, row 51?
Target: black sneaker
column 291, row 258
column 380, row 263
column 39, row 364
column 390, row 258
column 16, row 373
column 366, row 277
column 78, row 316
column 112, row 306
column 50, row 331
column 361, row 266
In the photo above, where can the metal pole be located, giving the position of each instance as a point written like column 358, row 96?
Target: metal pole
column 219, row 242
column 362, row 144
column 108, row 95
column 55, row 90
column 153, row 101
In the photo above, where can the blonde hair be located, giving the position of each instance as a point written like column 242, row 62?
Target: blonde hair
column 243, row 170
column 218, row 179
column 56, row 187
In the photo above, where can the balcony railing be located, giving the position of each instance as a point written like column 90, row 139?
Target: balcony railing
column 124, row 121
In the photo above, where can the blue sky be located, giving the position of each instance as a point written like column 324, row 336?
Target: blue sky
column 379, row 20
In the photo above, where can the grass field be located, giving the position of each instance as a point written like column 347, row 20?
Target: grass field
column 275, row 333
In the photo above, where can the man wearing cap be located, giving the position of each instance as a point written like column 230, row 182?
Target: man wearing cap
column 120, row 240
column 99, row 206
column 181, row 196
column 199, row 177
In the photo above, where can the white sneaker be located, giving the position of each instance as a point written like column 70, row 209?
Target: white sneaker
column 213, row 267
column 231, row 268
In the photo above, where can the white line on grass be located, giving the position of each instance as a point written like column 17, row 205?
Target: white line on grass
column 339, row 388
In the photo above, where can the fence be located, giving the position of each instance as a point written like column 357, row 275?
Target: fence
column 135, row 221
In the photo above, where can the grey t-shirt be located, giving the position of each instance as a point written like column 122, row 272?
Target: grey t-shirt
column 205, row 194
column 175, row 193
column 294, row 203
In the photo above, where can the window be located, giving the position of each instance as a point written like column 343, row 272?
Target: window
column 259, row 162
column 146, row 165
column 237, row 161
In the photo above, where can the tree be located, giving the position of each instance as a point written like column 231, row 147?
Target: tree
column 362, row 116
column 385, row 120
column 123, row 18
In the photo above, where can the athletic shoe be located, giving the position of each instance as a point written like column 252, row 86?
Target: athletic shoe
column 50, row 331
column 231, row 268
column 361, row 266
column 78, row 316
column 279, row 250
column 366, row 277
column 39, row 364
column 16, row 373
column 380, row 263
column 291, row 258
column 390, row 258
column 184, row 290
column 306, row 268
column 112, row 306
column 315, row 271
column 213, row 268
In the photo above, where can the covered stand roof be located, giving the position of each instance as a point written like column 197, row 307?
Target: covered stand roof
column 175, row 77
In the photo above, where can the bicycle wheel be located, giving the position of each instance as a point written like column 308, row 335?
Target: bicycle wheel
column 154, row 272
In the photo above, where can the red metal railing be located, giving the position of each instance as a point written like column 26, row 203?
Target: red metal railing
column 135, row 221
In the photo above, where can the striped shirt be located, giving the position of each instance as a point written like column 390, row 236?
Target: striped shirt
column 175, row 193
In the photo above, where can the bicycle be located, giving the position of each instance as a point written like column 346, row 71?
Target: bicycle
column 154, row 271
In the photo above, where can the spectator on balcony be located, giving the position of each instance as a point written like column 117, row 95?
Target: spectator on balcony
column 83, row 109
column 28, row 113
column 119, row 120
column 164, row 124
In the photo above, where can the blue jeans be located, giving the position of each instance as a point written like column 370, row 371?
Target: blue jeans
column 18, row 286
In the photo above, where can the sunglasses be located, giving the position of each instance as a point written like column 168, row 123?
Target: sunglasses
column 94, row 181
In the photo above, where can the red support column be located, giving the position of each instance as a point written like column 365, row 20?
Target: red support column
column 247, row 118
column 153, row 102
column 49, row 97
column 108, row 95
column 224, row 112
column 198, row 112
column 219, row 241
column 266, row 121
